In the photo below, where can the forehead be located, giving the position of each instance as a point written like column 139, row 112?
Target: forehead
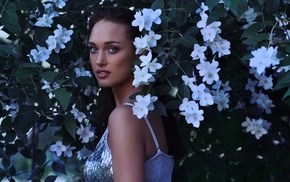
column 108, row 31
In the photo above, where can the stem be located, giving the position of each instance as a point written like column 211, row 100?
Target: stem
column 34, row 143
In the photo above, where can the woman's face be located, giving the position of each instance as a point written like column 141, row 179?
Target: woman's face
column 111, row 54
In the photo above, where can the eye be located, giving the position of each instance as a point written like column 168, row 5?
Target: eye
column 113, row 49
column 93, row 50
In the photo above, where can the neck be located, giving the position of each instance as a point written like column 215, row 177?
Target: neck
column 122, row 94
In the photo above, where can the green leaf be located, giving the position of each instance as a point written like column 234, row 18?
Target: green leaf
column 186, row 41
column 6, row 124
column 160, row 108
column 48, row 75
column 211, row 3
column 10, row 136
column 173, row 104
column 59, row 166
column 256, row 39
column 40, row 36
column 252, row 30
column 285, row 61
column 216, row 13
column 26, row 5
column 3, row 154
column 83, row 82
column 6, row 50
column 39, row 157
column 71, row 126
column 232, row 4
column 26, row 70
column 287, row 93
column 217, row 167
column 283, row 82
column 10, row 19
column 54, row 58
column 50, row 178
column 63, row 97
column 23, row 122
column 158, row 4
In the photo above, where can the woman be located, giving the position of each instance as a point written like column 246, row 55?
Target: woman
column 131, row 149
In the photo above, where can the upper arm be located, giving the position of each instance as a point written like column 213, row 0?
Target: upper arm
column 127, row 145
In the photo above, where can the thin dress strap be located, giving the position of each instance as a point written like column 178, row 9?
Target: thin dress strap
column 149, row 126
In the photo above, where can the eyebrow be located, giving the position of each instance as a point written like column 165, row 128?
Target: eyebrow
column 106, row 43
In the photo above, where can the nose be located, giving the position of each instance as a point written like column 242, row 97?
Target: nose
column 101, row 59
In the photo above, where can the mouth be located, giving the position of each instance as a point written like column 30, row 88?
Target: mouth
column 102, row 73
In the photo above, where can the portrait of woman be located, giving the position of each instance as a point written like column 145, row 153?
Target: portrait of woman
column 130, row 149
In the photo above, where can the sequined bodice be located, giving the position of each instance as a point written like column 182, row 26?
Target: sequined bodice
column 98, row 167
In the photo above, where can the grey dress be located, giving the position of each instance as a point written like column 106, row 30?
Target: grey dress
column 98, row 167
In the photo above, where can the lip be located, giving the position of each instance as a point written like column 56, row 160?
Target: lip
column 102, row 73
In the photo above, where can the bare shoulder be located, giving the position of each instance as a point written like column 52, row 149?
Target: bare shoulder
column 126, row 140
column 124, row 124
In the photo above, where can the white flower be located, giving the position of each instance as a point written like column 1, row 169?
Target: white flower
column 80, row 116
column 152, row 39
column 266, row 82
column 51, row 42
column 249, row 15
column 223, row 48
column 251, row 85
column 205, row 99
column 91, row 89
column 221, row 98
column 142, row 77
column 85, row 133
column 139, row 21
column 46, row 86
column 210, row 31
column 198, row 52
column 209, row 71
column 287, row 33
column 45, row 64
column 202, row 9
column 202, row 23
column 263, row 101
column 84, row 153
column 145, row 59
column 58, row 148
column 62, row 36
column 141, row 44
column 188, row 81
column 197, row 91
column 153, row 66
column 146, row 17
column 49, row 9
column 44, row 21
column 264, row 58
column 156, row 16
column 68, row 151
column 63, row 33
column 140, row 110
column 248, row 124
column 60, row 3
column 143, row 105
column 191, row 112
column 257, row 127
column 282, row 20
column 40, row 54
column 81, row 71
column 151, row 16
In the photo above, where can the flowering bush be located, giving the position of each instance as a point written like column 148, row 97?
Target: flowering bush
column 221, row 67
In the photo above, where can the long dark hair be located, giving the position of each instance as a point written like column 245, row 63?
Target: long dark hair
column 125, row 16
